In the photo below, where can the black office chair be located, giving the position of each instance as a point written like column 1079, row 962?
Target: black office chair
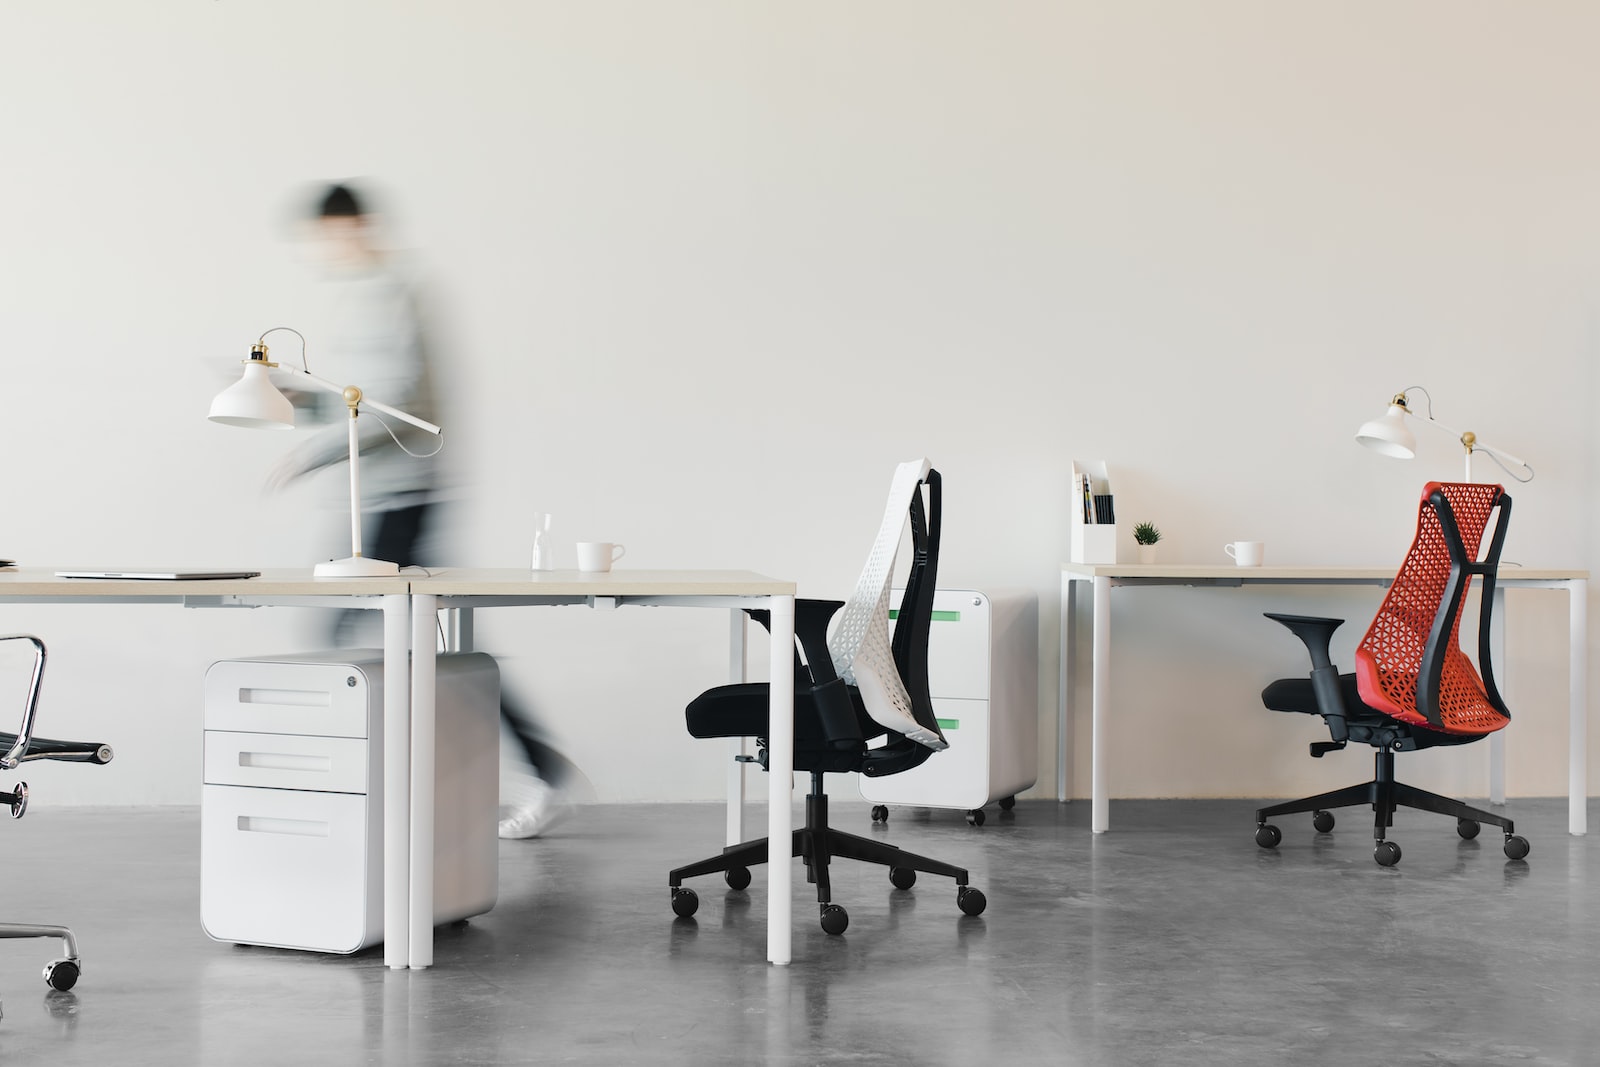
column 1413, row 687
column 22, row 747
column 849, row 691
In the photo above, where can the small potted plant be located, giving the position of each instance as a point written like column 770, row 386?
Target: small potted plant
column 1146, row 535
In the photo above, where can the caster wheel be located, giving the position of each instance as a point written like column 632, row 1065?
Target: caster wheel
column 1467, row 828
column 975, row 816
column 880, row 813
column 737, row 877
column 1322, row 822
column 62, row 974
column 685, row 901
column 972, row 901
column 1268, row 836
column 1516, row 847
column 1007, row 803
column 19, row 800
column 834, row 919
column 1387, row 853
column 902, row 877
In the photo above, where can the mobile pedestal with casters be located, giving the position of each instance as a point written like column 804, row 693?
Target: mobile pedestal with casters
column 983, row 676
column 292, row 808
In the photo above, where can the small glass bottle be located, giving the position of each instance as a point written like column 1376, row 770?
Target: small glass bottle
column 543, row 551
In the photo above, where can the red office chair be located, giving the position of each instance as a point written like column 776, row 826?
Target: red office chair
column 1413, row 686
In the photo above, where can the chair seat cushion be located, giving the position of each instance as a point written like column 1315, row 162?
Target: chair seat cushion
column 742, row 711
column 1297, row 695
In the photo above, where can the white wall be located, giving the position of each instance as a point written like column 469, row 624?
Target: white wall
column 708, row 269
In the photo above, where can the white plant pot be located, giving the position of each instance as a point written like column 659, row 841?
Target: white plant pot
column 1148, row 553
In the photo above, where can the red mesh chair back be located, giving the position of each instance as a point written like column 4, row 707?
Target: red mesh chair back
column 1410, row 664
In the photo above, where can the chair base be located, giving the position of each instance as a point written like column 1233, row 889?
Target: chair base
column 61, row 974
column 1385, row 795
column 819, row 844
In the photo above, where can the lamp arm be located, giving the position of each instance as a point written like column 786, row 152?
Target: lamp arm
column 1469, row 440
column 366, row 401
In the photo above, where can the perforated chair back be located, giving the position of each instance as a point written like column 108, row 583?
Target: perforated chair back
column 1410, row 664
column 860, row 646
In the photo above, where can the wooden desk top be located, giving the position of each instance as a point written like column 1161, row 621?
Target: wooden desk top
column 1178, row 573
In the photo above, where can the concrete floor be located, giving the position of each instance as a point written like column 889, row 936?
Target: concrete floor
column 1172, row 940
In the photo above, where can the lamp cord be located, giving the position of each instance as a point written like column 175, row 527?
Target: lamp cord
column 396, row 437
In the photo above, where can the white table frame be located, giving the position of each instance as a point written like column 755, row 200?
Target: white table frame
column 410, row 608
column 459, row 592
column 1100, row 579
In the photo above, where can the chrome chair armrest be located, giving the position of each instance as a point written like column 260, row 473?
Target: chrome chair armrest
column 19, row 747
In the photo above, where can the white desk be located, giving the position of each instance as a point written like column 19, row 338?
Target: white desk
column 464, row 590
column 410, row 605
column 301, row 589
column 1100, row 579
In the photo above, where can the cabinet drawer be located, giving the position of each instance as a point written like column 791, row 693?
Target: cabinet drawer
column 287, row 869
column 958, row 643
column 324, row 699
column 287, row 761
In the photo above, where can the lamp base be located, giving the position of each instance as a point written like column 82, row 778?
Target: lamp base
column 356, row 567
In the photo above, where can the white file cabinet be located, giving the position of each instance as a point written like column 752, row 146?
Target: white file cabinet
column 983, row 676
column 291, row 811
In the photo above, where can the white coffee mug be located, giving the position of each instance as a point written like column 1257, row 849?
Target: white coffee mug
column 1246, row 553
column 598, row 555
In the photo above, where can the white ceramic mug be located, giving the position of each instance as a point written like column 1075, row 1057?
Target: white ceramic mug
column 1246, row 553
column 598, row 555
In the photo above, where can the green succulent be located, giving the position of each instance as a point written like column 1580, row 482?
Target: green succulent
column 1146, row 533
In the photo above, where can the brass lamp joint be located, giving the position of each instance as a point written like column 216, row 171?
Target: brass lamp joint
column 258, row 354
column 1468, row 441
column 352, row 399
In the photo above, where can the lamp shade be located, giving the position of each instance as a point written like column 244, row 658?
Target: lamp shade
column 253, row 402
column 1389, row 435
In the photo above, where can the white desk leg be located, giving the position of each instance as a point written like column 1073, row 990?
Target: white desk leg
column 1578, row 707
column 1100, row 801
column 780, row 781
column 396, row 781
column 1068, row 635
column 1497, row 740
column 424, row 670
column 737, row 666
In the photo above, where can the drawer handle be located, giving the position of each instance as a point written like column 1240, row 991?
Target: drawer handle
column 260, row 824
column 285, row 761
column 289, row 698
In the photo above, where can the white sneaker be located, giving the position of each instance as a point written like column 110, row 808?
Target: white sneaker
column 535, row 808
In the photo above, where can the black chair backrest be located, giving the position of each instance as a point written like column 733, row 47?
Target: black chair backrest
column 912, row 624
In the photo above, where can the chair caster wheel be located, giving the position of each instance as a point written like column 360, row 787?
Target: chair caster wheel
column 975, row 817
column 1516, row 847
column 1467, row 828
column 971, row 901
column 1268, row 836
column 902, row 877
column 685, row 901
column 62, row 974
column 880, row 813
column 834, row 919
column 737, row 877
column 1322, row 822
column 1007, row 803
column 1387, row 853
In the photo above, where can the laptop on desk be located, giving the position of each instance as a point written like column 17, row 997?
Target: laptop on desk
column 159, row 574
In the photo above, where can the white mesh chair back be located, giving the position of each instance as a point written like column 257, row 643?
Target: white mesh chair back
column 862, row 654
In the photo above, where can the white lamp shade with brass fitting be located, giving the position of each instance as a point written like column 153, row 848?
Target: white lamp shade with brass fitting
column 1389, row 435
column 253, row 402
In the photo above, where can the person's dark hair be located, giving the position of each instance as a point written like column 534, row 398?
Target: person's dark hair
column 340, row 202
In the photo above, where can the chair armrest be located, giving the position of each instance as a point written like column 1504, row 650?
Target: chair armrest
column 1316, row 633
column 17, row 747
column 811, row 618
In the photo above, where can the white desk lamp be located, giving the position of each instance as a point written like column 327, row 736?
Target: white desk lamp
column 1391, row 437
column 254, row 402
